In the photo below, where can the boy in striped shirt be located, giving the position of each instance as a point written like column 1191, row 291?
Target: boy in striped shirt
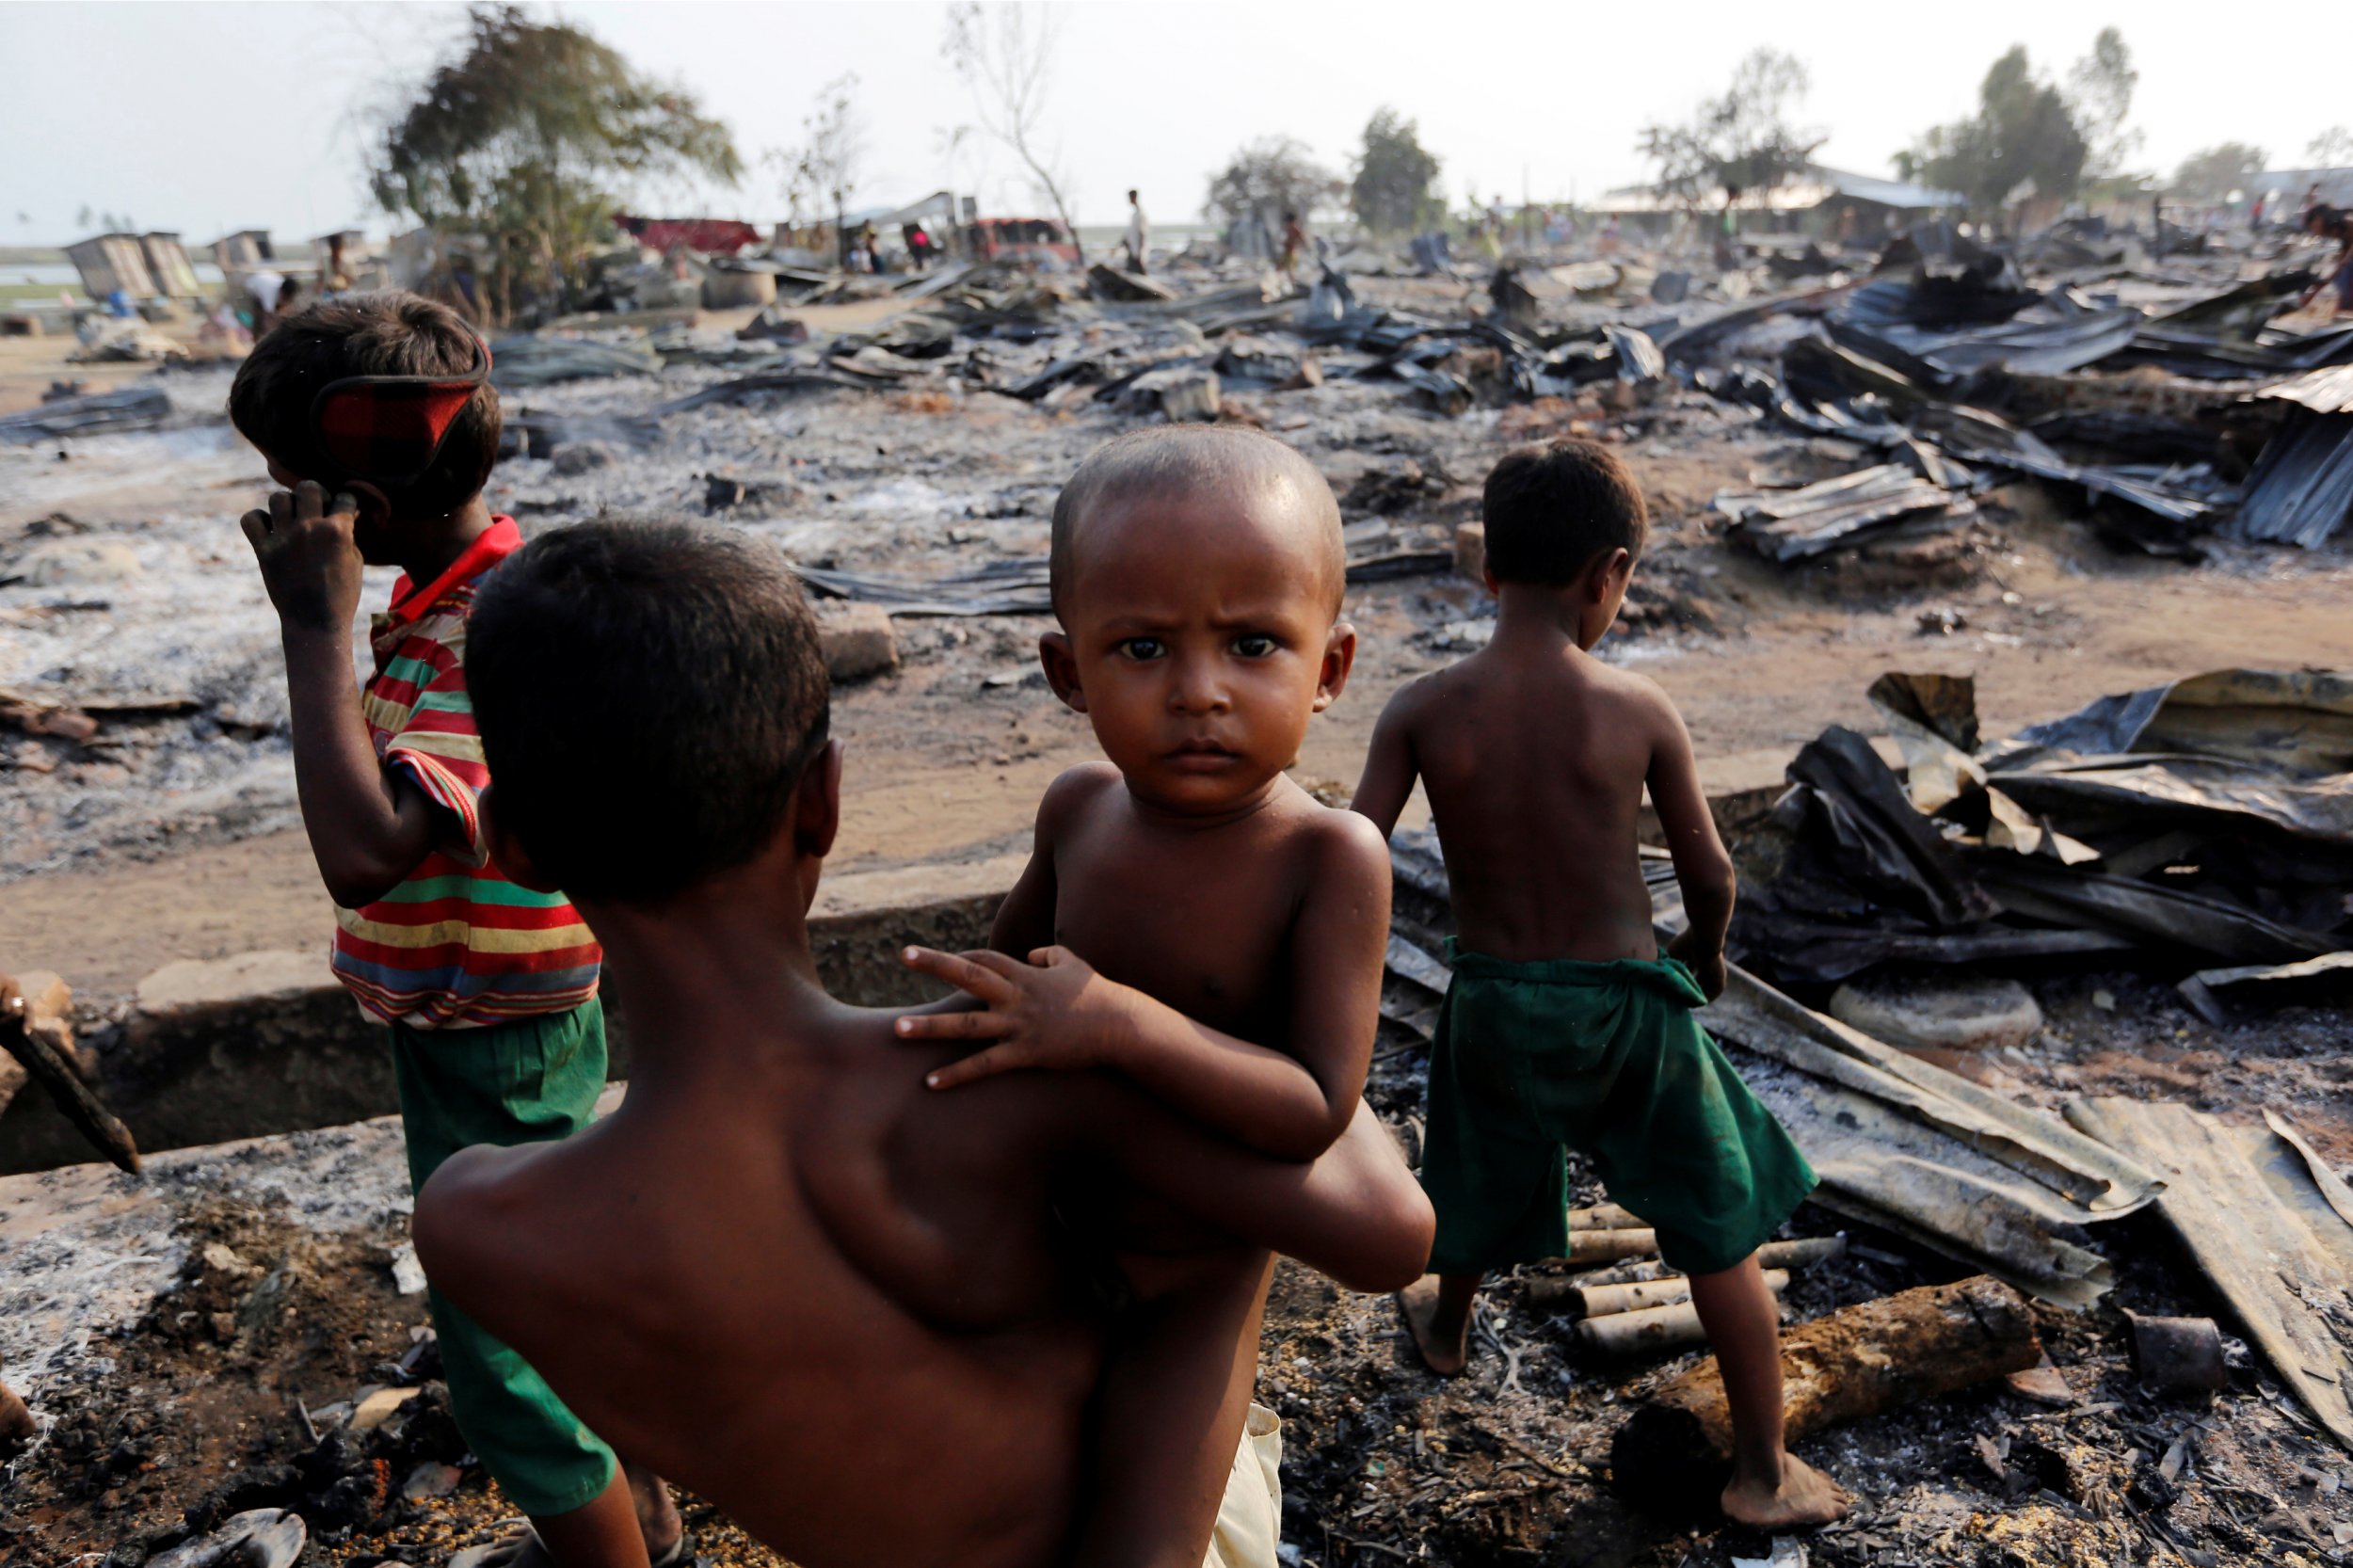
column 489, row 988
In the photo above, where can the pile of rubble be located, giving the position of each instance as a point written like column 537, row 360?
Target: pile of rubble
column 2203, row 826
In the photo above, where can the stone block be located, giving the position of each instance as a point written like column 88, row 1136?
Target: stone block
column 1189, row 394
column 730, row 289
column 77, row 563
column 1470, row 551
column 222, row 1048
column 1960, row 1012
column 858, row 640
column 268, row 1043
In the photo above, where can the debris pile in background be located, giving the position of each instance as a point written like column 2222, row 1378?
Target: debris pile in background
column 2203, row 824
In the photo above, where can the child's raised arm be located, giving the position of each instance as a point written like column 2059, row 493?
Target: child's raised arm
column 369, row 824
column 1703, row 867
column 1388, row 781
column 1056, row 1011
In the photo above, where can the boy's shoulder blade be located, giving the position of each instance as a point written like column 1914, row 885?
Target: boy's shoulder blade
column 465, row 1223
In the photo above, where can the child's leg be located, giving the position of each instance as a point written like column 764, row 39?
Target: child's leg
column 1437, row 1312
column 606, row 1532
column 527, row 1082
column 1771, row 1488
column 1169, row 1410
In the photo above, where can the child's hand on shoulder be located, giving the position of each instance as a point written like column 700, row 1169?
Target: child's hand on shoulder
column 310, row 562
column 1054, row 1011
column 1706, row 965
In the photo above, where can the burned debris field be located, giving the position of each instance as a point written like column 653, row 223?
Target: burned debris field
column 2004, row 592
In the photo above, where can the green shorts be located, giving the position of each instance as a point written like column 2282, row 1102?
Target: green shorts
column 1606, row 1058
column 521, row 1083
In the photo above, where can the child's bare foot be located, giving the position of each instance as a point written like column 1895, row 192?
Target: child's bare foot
column 656, row 1516
column 1442, row 1352
column 519, row 1547
column 1805, row 1497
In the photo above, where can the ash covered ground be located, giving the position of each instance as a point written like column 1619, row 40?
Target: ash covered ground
column 249, row 1312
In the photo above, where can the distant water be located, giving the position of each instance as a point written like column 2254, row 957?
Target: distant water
column 61, row 275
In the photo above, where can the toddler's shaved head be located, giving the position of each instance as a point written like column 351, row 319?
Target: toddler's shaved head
column 1173, row 459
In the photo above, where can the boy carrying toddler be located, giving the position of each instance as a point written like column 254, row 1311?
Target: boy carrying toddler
column 1562, row 1025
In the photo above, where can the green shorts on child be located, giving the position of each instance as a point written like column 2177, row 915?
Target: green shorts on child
column 1533, row 1057
column 527, row 1082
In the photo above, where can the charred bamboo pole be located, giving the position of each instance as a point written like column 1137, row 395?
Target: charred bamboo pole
column 1606, row 1216
column 66, row 1089
column 1648, row 1330
column 1554, row 1295
column 2180, row 1355
column 1608, row 1246
column 1875, row 1356
column 1604, row 1300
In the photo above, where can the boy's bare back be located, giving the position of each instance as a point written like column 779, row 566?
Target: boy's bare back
column 1535, row 754
column 837, row 1303
column 1535, row 758
column 673, row 1269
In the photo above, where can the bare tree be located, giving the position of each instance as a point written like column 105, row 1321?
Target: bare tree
column 1743, row 141
column 2099, row 91
column 2330, row 148
column 824, row 167
column 1006, row 53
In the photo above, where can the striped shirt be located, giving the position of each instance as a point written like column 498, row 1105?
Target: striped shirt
column 455, row 945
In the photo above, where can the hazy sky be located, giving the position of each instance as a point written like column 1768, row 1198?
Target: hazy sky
column 208, row 117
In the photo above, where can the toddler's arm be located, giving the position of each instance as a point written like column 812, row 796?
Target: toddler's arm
column 369, row 825
column 1057, row 1012
column 1703, row 867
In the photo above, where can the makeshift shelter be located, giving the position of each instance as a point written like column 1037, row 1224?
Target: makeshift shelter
column 109, row 262
column 1825, row 202
column 247, row 250
column 168, row 263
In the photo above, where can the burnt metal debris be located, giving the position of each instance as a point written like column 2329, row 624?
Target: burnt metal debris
column 1944, row 355
column 2203, row 824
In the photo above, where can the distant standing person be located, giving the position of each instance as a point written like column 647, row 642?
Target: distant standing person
column 273, row 293
column 1139, row 239
column 2332, row 223
column 1294, row 241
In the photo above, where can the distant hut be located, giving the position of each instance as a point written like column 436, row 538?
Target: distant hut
column 167, row 263
column 109, row 262
column 247, row 250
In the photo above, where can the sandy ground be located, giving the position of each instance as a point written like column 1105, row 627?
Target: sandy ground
column 934, row 775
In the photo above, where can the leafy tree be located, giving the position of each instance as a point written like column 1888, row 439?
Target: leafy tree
column 1006, row 53
column 1271, row 178
column 1394, row 190
column 1742, row 140
column 524, row 135
column 2213, row 173
column 2099, row 91
column 2331, row 148
column 2024, row 131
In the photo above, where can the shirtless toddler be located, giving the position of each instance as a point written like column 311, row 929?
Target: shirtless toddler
column 1192, row 920
column 1562, row 1026
column 832, row 1302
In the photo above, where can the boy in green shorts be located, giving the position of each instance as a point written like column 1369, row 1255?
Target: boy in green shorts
column 489, row 989
column 1562, row 1025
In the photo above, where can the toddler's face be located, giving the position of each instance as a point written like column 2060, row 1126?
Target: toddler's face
column 1200, row 641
